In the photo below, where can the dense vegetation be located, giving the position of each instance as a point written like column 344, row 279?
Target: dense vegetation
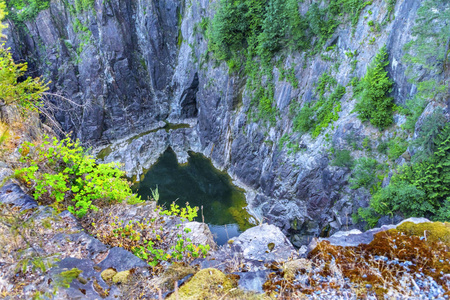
column 316, row 116
column 23, row 10
column 372, row 93
column 59, row 172
column 25, row 93
column 249, row 33
column 420, row 187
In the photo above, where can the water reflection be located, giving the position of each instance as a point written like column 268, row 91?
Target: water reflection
column 200, row 184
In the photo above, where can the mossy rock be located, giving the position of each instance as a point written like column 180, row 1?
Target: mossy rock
column 434, row 232
column 213, row 284
column 108, row 274
column 174, row 272
column 206, row 284
column 121, row 277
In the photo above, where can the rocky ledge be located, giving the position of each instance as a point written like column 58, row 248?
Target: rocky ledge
column 78, row 259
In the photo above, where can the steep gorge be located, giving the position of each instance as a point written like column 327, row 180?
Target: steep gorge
column 133, row 64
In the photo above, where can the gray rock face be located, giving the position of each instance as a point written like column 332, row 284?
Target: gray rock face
column 252, row 281
column 82, row 287
column 132, row 73
column 121, row 260
column 11, row 193
column 139, row 153
column 117, row 66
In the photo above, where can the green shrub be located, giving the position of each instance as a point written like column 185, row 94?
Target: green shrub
column 316, row 116
column 364, row 173
column 422, row 188
column 59, row 172
column 343, row 158
column 24, row 10
column 149, row 239
column 382, row 147
column 413, row 110
column 25, row 93
column 368, row 215
column 396, row 147
column 400, row 196
column 424, row 143
column 303, row 121
column 373, row 103
column 366, row 143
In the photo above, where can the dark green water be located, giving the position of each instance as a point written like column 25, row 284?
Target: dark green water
column 200, row 184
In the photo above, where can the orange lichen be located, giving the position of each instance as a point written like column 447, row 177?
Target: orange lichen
column 359, row 264
column 382, row 266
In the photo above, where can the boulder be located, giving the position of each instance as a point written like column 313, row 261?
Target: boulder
column 121, row 260
column 200, row 234
column 265, row 242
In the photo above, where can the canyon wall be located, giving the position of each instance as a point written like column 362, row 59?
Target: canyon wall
column 132, row 64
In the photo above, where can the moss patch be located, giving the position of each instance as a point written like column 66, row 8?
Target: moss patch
column 435, row 231
column 108, row 274
column 213, row 284
column 391, row 254
column 65, row 278
column 205, row 285
column 175, row 272
column 121, row 277
column 292, row 267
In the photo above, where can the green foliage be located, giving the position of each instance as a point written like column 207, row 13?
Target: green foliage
column 155, row 194
column 317, row 116
column 422, row 188
column 401, row 196
column 396, row 147
column 382, row 147
column 59, row 172
column 23, row 10
column 424, row 143
column 3, row 13
column 413, row 109
column 373, row 103
column 150, row 241
column 14, row 90
column 368, row 215
column 428, row 51
column 303, row 121
column 343, row 158
column 364, row 173
column 65, row 278
column 250, row 32
column 366, row 143
column 390, row 6
column 84, row 5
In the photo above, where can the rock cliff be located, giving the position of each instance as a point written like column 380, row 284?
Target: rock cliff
column 133, row 64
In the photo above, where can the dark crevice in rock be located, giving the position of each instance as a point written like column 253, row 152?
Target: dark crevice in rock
column 189, row 100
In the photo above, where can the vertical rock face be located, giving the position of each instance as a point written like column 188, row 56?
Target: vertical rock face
column 114, row 59
column 135, row 63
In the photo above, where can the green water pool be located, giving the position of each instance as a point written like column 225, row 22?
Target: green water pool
column 200, row 184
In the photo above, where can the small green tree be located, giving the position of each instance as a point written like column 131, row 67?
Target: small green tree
column 26, row 94
column 2, row 16
column 373, row 103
